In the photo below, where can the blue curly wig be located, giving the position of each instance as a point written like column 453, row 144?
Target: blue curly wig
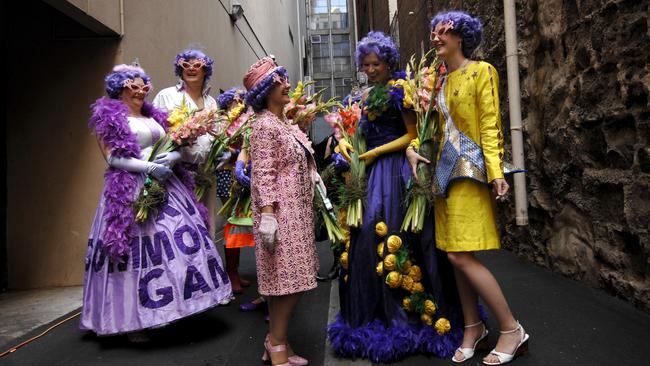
column 379, row 44
column 256, row 97
column 193, row 54
column 114, row 81
column 229, row 95
column 467, row 27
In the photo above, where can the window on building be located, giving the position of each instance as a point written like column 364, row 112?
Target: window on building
column 324, row 85
column 319, row 15
column 339, row 14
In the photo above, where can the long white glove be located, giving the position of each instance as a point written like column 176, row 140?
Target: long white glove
column 268, row 230
column 168, row 159
column 134, row 165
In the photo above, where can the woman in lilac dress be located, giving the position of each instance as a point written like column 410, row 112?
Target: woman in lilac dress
column 282, row 186
column 141, row 275
column 374, row 323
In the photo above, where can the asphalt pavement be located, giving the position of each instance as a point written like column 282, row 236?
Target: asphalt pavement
column 569, row 324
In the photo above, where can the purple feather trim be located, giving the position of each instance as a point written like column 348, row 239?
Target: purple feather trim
column 378, row 343
column 110, row 124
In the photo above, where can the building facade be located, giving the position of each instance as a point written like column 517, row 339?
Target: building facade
column 62, row 50
column 330, row 41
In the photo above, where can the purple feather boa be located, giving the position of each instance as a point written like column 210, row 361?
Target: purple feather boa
column 378, row 343
column 110, row 124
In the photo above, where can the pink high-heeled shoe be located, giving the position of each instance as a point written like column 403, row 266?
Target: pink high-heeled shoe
column 294, row 360
column 268, row 349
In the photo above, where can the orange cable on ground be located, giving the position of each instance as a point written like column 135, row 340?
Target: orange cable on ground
column 13, row 349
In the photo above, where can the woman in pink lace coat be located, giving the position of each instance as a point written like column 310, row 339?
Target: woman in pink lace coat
column 282, row 185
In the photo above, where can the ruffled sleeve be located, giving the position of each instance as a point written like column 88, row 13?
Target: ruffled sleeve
column 264, row 152
column 487, row 89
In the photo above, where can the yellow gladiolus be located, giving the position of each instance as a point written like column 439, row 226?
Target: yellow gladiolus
column 394, row 279
column 380, row 269
column 344, row 260
column 426, row 319
column 406, row 304
column 407, row 283
column 406, row 266
column 417, row 287
column 345, row 278
column 415, row 273
column 442, row 326
column 390, row 262
column 380, row 250
column 347, row 244
column 429, row 307
column 394, row 243
column 381, row 229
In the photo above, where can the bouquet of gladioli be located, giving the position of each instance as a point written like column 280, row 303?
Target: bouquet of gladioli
column 353, row 194
column 185, row 126
column 230, row 126
column 422, row 87
column 325, row 208
column 303, row 108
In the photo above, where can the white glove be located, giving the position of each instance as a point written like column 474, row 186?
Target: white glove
column 168, row 159
column 268, row 230
column 159, row 171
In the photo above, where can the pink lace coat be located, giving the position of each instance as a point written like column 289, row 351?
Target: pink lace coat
column 281, row 176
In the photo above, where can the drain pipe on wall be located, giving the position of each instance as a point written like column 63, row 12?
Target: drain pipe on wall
column 121, row 18
column 514, row 98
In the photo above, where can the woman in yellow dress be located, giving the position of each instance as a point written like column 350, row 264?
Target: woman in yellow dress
column 469, row 175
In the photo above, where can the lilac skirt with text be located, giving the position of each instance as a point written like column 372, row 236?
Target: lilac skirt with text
column 173, row 271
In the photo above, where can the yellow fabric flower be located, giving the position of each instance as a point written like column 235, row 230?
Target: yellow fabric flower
column 442, row 326
column 380, row 269
column 394, row 243
column 429, row 307
column 406, row 303
column 390, row 262
column 381, row 229
column 407, row 283
column 344, row 260
column 426, row 319
column 406, row 267
column 415, row 273
column 380, row 249
column 394, row 279
column 417, row 287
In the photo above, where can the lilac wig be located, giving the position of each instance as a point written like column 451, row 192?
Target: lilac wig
column 229, row 96
column 114, row 82
column 468, row 28
column 256, row 97
column 197, row 55
column 379, row 44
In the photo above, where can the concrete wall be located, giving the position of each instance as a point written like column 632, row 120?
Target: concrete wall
column 54, row 169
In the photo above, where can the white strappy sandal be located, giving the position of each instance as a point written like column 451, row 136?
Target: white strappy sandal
column 481, row 343
column 522, row 348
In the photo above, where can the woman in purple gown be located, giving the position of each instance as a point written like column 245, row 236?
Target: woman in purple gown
column 141, row 275
column 374, row 322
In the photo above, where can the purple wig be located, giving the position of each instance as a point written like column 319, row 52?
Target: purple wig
column 229, row 96
column 379, row 44
column 256, row 97
column 468, row 28
column 114, row 82
column 197, row 55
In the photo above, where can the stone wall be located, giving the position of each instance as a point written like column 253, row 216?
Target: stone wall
column 585, row 82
